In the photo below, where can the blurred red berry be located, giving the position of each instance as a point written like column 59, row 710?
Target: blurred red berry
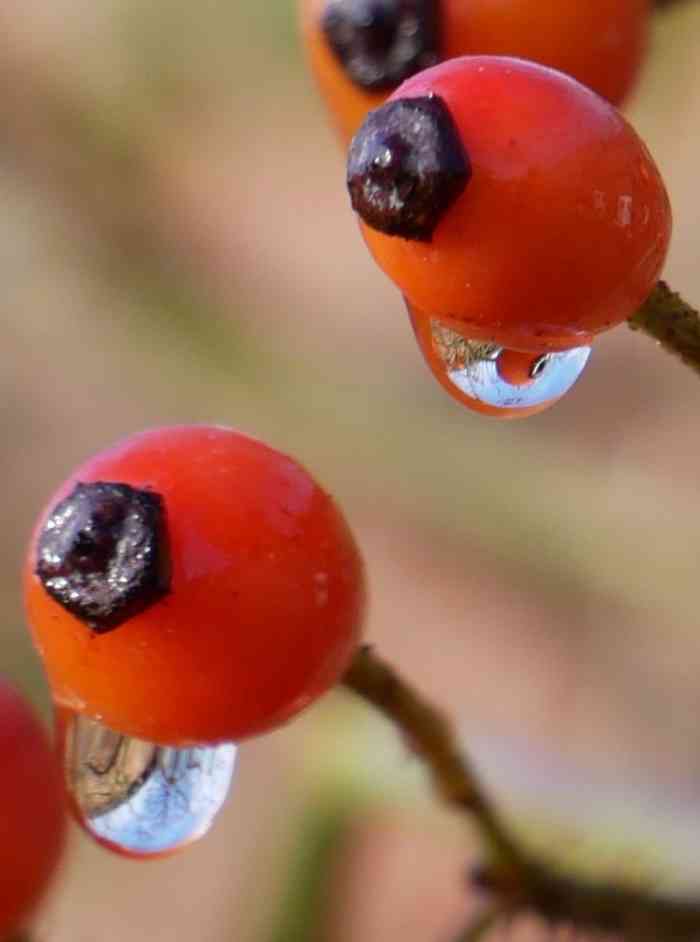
column 361, row 50
column 32, row 823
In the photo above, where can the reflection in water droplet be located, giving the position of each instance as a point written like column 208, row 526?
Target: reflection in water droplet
column 492, row 379
column 138, row 797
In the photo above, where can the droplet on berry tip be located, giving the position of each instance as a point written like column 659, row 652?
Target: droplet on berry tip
column 501, row 379
column 138, row 798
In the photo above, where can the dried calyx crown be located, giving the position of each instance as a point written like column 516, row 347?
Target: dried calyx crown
column 103, row 553
column 380, row 43
column 406, row 166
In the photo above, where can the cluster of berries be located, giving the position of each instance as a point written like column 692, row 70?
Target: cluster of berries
column 516, row 210
column 192, row 587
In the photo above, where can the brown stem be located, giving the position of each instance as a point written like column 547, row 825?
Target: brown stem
column 429, row 735
column 477, row 930
column 668, row 319
column 518, row 882
column 664, row 4
column 632, row 914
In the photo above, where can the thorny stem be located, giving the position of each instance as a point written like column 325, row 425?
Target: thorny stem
column 518, row 881
column 667, row 318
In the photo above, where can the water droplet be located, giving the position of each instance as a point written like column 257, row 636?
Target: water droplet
column 136, row 797
column 492, row 379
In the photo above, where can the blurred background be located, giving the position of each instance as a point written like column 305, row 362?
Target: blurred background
column 176, row 245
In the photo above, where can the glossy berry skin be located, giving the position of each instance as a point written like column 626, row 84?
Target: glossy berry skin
column 563, row 228
column 601, row 43
column 264, row 606
column 32, row 822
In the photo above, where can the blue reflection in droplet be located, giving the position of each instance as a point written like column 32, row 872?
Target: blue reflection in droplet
column 142, row 798
column 473, row 367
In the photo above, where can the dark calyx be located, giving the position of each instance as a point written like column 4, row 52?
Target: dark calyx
column 103, row 553
column 382, row 42
column 406, row 167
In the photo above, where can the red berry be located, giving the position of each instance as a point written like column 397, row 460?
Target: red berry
column 561, row 222
column 192, row 585
column 32, row 823
column 361, row 50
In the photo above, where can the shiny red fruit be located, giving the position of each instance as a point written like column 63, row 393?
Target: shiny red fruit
column 553, row 227
column 192, row 585
column 32, row 822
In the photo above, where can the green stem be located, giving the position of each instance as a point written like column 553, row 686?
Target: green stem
column 673, row 323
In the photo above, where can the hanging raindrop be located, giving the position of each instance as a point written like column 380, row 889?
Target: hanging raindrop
column 136, row 797
column 491, row 379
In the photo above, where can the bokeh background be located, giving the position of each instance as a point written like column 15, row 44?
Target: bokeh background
column 176, row 245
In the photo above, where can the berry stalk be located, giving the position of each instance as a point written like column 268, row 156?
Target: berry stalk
column 430, row 736
column 517, row 882
column 672, row 322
